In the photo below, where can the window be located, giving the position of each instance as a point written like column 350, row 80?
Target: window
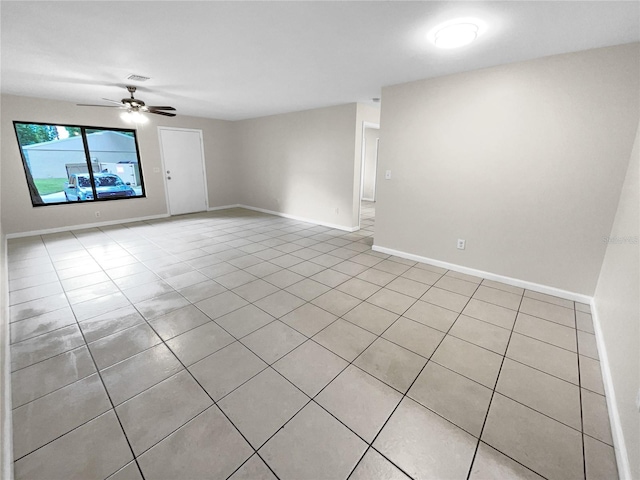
column 69, row 163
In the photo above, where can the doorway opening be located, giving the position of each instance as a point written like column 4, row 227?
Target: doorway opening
column 368, row 174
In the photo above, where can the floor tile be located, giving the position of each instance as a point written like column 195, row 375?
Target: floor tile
column 227, row 369
column 206, row 447
column 350, row 268
column 408, row 287
column 306, row 269
column 255, row 290
column 456, row 285
column 308, row 319
column 322, row 447
column 262, row 405
column 99, row 306
column 47, row 418
column 45, row 346
column 431, row 315
column 155, row 413
column 488, row 312
column 421, row 275
column 345, row 339
column 394, row 365
column 548, row 311
column 221, row 304
column 456, row 398
column 35, row 293
column 360, row 401
column 330, row 278
column 196, row 344
column 336, row 302
column 99, row 449
column 153, row 289
column 600, row 459
column 481, row 333
column 377, row 277
column 37, row 307
column 161, row 305
column 371, row 318
column 591, row 375
column 469, row 360
column 308, row 289
column 129, row 472
column 546, row 331
column 498, row 297
column 543, row 356
column 130, row 377
column 179, row 321
column 414, row 336
column 45, row 323
column 446, row 299
column 358, row 288
column 310, row 367
column 587, row 345
column 392, row 301
column 279, row 304
column 374, row 465
column 595, row 416
column 490, row 463
column 543, row 392
column 245, row 320
column 111, row 322
column 235, row 279
column 503, row 286
column 447, row 452
column 584, row 322
column 273, row 341
column 549, row 299
column 550, row 448
column 463, row 276
column 45, row 377
column 201, row 291
column 283, row 278
column 122, row 345
column 253, row 469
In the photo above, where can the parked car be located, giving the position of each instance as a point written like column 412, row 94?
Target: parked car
column 108, row 185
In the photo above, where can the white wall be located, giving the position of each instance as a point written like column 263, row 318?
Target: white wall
column 524, row 161
column 617, row 311
column 302, row 164
column 370, row 158
column 19, row 216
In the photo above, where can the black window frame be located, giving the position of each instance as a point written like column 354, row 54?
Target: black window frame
column 83, row 134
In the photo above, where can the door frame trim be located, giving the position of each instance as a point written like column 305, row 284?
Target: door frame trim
column 164, row 168
column 365, row 125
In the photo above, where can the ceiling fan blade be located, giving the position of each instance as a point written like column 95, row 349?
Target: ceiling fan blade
column 91, row 105
column 154, row 107
column 159, row 112
column 112, row 101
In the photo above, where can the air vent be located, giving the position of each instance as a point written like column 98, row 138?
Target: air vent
column 137, row 78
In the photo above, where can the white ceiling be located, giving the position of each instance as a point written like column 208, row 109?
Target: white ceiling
column 236, row 60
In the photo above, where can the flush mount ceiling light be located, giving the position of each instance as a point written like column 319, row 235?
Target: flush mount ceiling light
column 456, row 33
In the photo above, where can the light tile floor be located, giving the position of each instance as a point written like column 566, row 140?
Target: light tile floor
column 240, row 345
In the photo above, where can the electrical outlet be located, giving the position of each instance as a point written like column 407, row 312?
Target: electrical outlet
column 461, row 244
column 98, row 214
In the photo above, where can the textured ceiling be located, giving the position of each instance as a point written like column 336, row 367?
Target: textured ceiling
column 235, row 60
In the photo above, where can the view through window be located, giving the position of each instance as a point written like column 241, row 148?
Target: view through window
column 68, row 163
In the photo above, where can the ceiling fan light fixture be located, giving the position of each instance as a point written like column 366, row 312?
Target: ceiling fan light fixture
column 134, row 116
column 456, row 33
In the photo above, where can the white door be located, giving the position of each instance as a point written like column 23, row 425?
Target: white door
column 183, row 160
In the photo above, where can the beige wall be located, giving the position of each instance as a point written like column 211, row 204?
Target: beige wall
column 301, row 163
column 524, row 161
column 19, row 216
column 618, row 311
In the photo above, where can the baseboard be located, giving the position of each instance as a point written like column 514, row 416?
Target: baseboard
column 369, row 199
column 224, row 207
column 536, row 287
column 620, row 446
column 84, row 226
column 5, row 362
column 301, row 219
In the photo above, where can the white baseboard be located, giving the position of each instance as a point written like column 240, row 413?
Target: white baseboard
column 536, row 287
column 301, row 219
column 224, row 207
column 620, row 446
column 368, row 199
column 84, row 226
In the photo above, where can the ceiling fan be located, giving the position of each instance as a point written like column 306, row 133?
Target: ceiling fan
column 133, row 105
